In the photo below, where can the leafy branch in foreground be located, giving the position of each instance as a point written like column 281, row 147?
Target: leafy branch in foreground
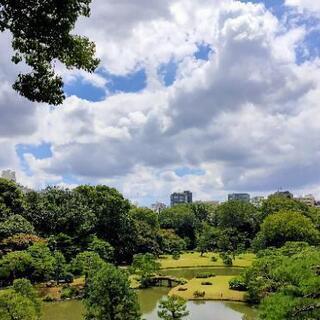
column 41, row 35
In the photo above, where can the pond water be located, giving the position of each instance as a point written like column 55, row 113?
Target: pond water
column 149, row 299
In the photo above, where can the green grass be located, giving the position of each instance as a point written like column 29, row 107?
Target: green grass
column 191, row 260
column 219, row 290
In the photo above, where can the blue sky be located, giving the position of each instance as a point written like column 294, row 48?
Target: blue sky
column 169, row 109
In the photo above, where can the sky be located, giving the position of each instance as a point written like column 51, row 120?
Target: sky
column 212, row 96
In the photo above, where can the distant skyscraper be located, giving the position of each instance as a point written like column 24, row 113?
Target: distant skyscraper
column 180, row 197
column 239, row 196
column 9, row 175
column 257, row 201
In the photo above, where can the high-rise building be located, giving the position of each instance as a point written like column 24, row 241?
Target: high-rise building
column 9, row 175
column 239, row 196
column 180, row 197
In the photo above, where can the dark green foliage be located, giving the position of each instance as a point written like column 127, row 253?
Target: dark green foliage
column 108, row 296
column 170, row 242
column 41, row 35
column 11, row 198
column 205, row 275
column 277, row 203
column 183, row 221
column 288, row 283
column 226, row 259
column 173, row 308
column 145, row 265
column 102, row 248
column 237, row 284
column 13, row 225
column 20, row 302
column 285, row 226
column 86, row 263
column 206, row 283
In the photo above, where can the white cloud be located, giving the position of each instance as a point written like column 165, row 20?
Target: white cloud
column 248, row 117
column 311, row 5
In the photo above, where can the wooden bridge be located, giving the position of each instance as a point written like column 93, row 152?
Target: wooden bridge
column 166, row 281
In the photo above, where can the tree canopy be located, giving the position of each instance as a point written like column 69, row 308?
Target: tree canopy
column 41, row 36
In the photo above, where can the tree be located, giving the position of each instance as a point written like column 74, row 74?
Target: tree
column 207, row 239
column 11, row 197
column 15, row 265
column 20, row 302
column 173, row 307
column 170, row 242
column 19, row 242
column 102, row 248
column 285, row 226
column 276, row 203
column 108, row 296
column 286, row 282
column 86, row 262
column 59, row 265
column 113, row 221
column 41, row 35
column 145, row 265
column 15, row 224
column 183, row 221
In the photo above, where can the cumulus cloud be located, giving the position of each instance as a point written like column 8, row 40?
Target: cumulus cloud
column 243, row 117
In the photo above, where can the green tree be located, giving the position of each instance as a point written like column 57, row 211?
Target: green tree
column 285, row 226
column 86, row 262
column 11, row 197
column 277, row 203
column 17, row 264
column 43, row 262
column 277, row 276
column 170, row 242
column 20, row 302
column 13, row 225
column 145, row 265
column 41, row 35
column 207, row 239
column 183, row 221
column 108, row 296
column 113, row 224
column 173, row 308
column 19, row 242
column 59, row 266
column 102, row 248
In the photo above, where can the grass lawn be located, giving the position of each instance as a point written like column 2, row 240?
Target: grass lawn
column 189, row 260
column 219, row 290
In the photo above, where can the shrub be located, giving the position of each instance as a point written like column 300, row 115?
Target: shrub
column 48, row 298
column 182, row 289
column 199, row 294
column 237, row 284
column 206, row 283
column 205, row 275
column 226, row 259
column 214, row 259
column 69, row 292
column 68, row 277
column 176, row 256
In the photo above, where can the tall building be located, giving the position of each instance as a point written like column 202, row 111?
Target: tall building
column 180, row 197
column 309, row 200
column 9, row 175
column 158, row 207
column 239, row 196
